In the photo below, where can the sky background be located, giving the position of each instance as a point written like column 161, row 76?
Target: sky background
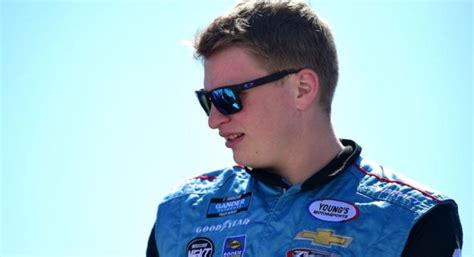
column 99, row 118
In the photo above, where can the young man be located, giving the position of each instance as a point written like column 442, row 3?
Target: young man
column 270, row 75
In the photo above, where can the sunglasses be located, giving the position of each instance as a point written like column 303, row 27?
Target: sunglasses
column 226, row 99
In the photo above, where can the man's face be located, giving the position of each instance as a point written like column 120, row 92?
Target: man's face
column 258, row 133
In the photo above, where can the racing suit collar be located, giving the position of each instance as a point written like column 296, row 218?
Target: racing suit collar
column 335, row 167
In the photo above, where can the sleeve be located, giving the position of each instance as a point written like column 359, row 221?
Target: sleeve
column 438, row 233
column 151, row 250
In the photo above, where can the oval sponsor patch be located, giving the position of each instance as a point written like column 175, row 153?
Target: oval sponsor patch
column 200, row 247
column 304, row 252
column 333, row 210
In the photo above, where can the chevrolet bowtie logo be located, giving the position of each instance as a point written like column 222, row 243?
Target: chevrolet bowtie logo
column 324, row 237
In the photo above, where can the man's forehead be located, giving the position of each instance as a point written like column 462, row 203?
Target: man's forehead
column 230, row 66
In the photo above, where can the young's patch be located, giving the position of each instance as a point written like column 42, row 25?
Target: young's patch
column 333, row 210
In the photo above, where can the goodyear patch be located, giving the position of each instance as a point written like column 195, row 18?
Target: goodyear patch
column 234, row 246
column 219, row 207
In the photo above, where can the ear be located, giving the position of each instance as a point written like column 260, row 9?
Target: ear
column 307, row 88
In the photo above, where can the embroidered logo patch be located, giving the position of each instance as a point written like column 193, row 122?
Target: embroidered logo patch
column 200, row 247
column 324, row 237
column 234, row 246
column 227, row 224
column 304, row 252
column 333, row 210
column 219, row 207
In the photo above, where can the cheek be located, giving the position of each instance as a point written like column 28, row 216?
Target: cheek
column 270, row 116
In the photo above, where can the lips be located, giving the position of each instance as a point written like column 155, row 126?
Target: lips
column 232, row 139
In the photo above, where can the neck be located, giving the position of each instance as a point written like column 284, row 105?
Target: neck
column 313, row 147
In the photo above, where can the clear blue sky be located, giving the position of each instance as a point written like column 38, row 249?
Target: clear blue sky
column 99, row 118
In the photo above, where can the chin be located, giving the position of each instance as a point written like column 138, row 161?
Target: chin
column 242, row 160
column 247, row 161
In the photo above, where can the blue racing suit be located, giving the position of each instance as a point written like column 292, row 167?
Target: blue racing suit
column 352, row 207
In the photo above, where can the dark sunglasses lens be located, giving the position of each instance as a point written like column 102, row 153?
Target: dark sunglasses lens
column 226, row 101
column 204, row 101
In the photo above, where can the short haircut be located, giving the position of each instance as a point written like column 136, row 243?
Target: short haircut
column 280, row 35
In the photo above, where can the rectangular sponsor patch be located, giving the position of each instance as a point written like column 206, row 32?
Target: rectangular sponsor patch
column 219, row 207
column 234, row 246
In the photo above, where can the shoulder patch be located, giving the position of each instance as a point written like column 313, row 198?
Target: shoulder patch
column 202, row 184
column 205, row 177
column 386, row 185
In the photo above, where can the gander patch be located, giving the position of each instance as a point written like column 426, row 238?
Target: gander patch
column 333, row 210
column 219, row 207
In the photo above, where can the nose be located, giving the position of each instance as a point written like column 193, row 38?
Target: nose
column 216, row 119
